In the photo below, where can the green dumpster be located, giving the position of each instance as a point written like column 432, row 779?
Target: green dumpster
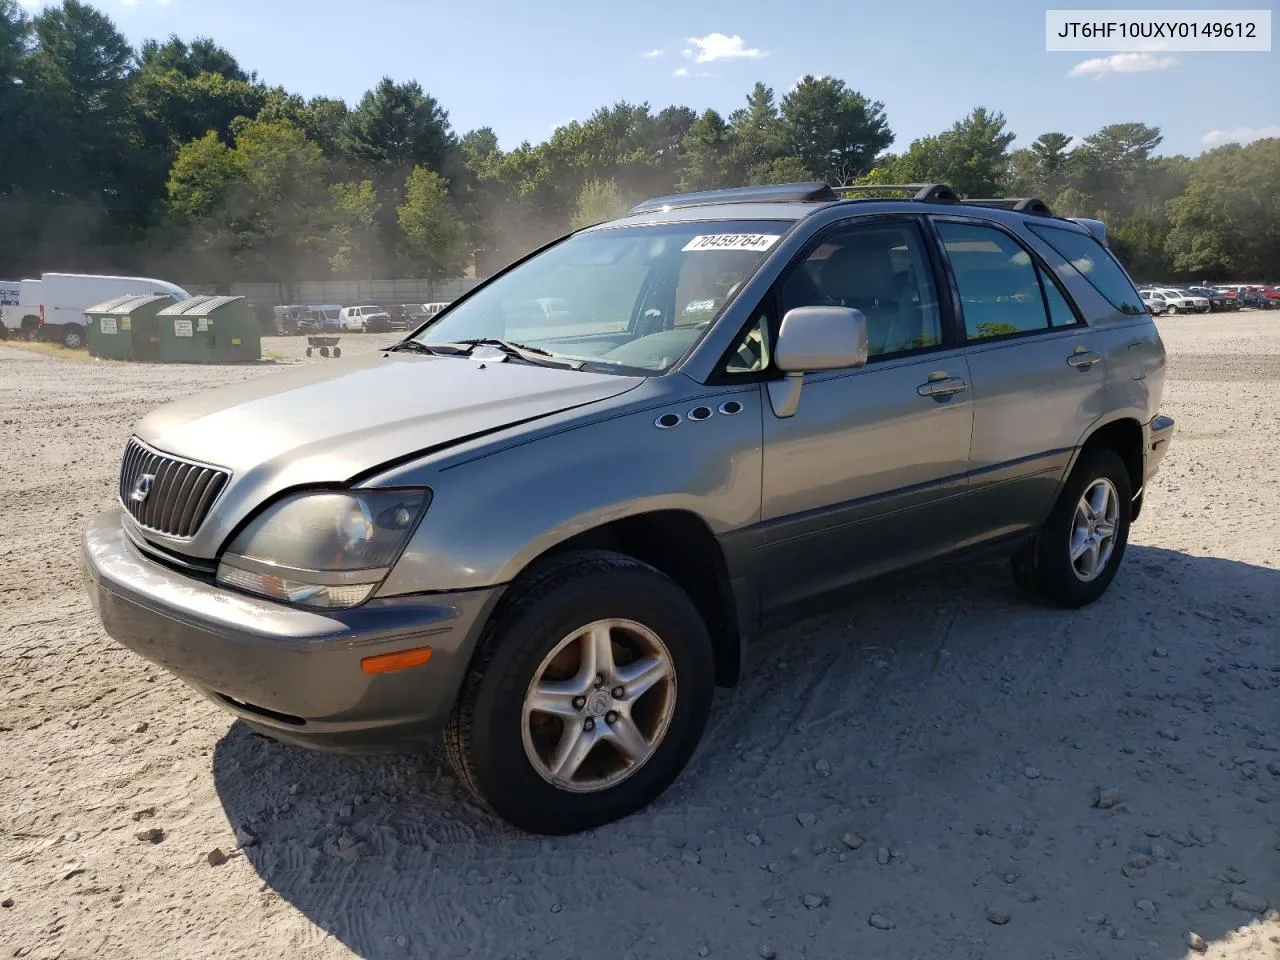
column 209, row 330
column 125, row 328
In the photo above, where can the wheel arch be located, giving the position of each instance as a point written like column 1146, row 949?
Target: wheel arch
column 679, row 543
column 1123, row 434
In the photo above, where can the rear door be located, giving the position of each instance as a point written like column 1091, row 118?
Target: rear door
column 1039, row 377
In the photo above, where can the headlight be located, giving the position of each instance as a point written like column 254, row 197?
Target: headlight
column 323, row 549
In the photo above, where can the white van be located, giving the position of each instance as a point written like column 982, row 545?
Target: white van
column 52, row 308
column 362, row 318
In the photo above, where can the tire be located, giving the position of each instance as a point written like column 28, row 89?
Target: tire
column 72, row 338
column 1172, row 310
column 324, row 351
column 1044, row 569
column 308, row 351
column 491, row 740
column 337, row 351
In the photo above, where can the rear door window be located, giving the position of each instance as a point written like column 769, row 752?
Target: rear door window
column 1000, row 290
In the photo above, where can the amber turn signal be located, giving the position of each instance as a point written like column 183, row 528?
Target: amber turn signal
column 400, row 660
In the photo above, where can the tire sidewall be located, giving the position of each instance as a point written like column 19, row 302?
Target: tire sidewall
column 1055, row 571
column 508, row 780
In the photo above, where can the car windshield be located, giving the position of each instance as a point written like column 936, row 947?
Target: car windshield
column 621, row 298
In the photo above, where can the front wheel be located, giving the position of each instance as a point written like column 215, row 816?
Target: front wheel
column 1076, row 554
column 1172, row 310
column 587, row 697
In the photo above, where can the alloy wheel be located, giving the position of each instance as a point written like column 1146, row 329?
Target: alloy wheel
column 1094, row 528
column 599, row 705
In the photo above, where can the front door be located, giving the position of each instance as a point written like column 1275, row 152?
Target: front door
column 1039, row 377
column 866, row 475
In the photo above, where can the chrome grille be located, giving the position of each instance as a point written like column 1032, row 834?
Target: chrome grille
column 181, row 491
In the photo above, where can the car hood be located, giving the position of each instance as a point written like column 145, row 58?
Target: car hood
column 330, row 421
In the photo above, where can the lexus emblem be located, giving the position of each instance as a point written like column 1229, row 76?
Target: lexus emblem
column 142, row 489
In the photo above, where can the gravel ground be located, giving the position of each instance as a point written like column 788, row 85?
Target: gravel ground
column 941, row 771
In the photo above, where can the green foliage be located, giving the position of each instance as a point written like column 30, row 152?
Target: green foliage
column 431, row 227
column 598, row 201
column 176, row 161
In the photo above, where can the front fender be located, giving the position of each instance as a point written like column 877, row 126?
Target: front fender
column 492, row 515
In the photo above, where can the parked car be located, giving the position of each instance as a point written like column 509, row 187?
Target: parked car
column 1217, row 301
column 358, row 318
column 1178, row 300
column 552, row 536
column 1154, row 301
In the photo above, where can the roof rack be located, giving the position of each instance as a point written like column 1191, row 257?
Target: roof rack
column 771, row 193
column 933, row 192
column 1021, row 204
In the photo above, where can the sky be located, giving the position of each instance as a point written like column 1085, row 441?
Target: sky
column 524, row 68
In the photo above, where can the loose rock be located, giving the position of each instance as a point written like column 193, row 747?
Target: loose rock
column 144, row 814
column 1097, row 919
column 823, row 768
column 6, row 902
column 851, row 840
column 1031, row 773
column 1196, row 942
column 150, row 835
column 245, row 837
column 295, row 789
column 882, row 856
column 813, row 900
column 880, row 922
column 402, row 942
column 690, row 857
column 1159, row 652
column 1107, row 797
column 767, row 952
column 999, row 912
column 216, row 857
column 1168, row 733
column 1252, row 902
column 704, row 951
column 806, row 819
column 754, row 839
column 1147, row 907
column 141, row 727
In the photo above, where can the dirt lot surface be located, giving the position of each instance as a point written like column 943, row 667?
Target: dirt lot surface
column 917, row 775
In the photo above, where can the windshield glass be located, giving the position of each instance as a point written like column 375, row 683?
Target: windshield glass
column 627, row 297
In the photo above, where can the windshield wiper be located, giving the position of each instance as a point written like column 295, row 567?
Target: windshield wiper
column 413, row 346
column 522, row 352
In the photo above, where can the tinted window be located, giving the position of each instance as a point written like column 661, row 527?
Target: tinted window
column 999, row 284
column 1095, row 264
column 883, row 271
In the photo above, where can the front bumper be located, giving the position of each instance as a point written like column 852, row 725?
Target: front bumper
column 292, row 673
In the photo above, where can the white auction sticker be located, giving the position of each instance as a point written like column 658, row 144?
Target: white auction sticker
column 107, row 325
column 732, row 241
column 182, row 328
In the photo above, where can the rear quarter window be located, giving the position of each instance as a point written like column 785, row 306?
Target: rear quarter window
column 1095, row 263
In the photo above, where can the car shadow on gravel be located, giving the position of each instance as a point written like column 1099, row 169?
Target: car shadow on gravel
column 921, row 755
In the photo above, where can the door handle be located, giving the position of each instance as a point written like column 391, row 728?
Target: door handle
column 1083, row 358
column 942, row 387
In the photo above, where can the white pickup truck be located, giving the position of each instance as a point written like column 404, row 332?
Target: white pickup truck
column 52, row 308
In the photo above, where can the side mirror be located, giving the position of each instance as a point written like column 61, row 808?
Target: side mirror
column 821, row 338
column 813, row 339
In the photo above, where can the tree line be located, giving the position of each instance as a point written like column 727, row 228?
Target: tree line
column 173, row 160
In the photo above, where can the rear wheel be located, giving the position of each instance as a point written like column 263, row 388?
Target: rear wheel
column 73, row 337
column 1075, row 556
column 587, row 697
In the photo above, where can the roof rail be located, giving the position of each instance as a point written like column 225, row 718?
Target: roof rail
column 1095, row 227
column 934, row 192
column 1032, row 205
column 770, row 193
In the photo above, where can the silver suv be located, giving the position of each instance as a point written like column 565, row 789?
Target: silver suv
column 552, row 534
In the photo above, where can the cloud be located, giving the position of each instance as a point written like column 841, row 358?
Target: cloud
column 800, row 80
column 1122, row 63
column 652, row 54
column 679, row 72
column 1242, row 134
column 716, row 46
